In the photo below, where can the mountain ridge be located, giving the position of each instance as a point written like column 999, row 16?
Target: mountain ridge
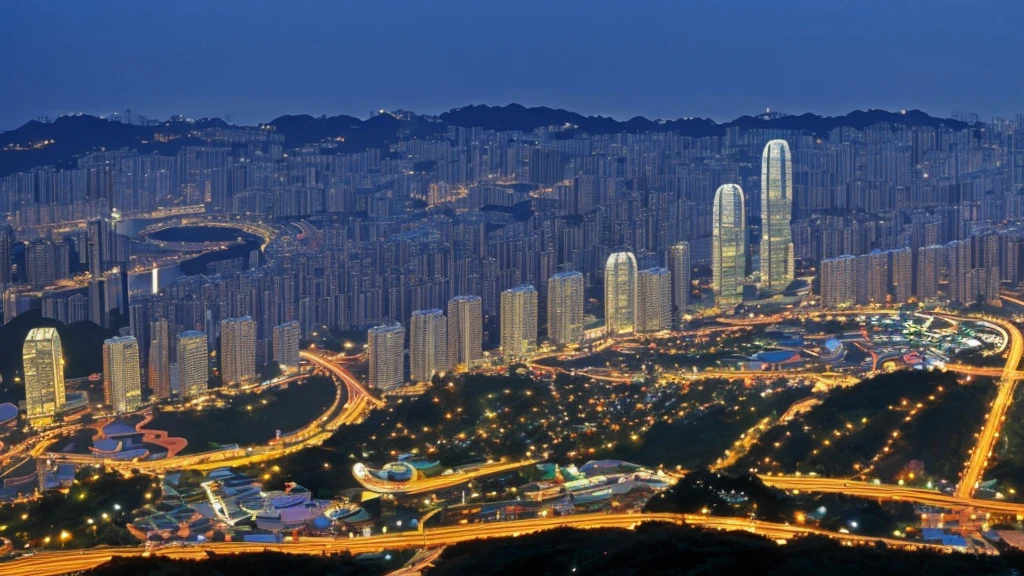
column 75, row 135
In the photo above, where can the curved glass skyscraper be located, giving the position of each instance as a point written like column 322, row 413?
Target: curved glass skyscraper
column 728, row 243
column 620, row 294
column 776, row 211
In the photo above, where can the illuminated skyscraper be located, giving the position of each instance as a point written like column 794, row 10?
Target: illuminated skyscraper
column 160, row 359
column 565, row 308
column 654, row 300
column 193, row 364
column 238, row 350
column 286, row 344
column 679, row 267
column 122, row 376
column 465, row 332
column 44, row 375
column 386, row 354
column 777, row 265
column 620, row 294
column 428, row 344
column 518, row 321
column 728, row 244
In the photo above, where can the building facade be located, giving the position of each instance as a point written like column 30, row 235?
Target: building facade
column 193, row 364
column 519, row 321
column 620, row 286
column 777, row 257
column 728, row 244
column 654, row 304
column 286, row 344
column 428, row 344
column 386, row 355
column 679, row 267
column 238, row 350
column 565, row 308
column 43, row 361
column 122, row 374
column 465, row 332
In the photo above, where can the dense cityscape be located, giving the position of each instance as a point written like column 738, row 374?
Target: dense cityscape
column 452, row 335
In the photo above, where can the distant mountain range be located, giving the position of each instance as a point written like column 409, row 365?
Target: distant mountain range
column 72, row 136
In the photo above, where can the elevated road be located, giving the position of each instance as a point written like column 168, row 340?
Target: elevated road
column 435, row 483
column 358, row 401
column 55, row 563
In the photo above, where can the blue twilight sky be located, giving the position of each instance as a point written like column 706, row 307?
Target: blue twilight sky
column 256, row 60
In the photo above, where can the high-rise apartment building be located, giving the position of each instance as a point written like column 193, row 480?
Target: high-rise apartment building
column 901, row 275
column 565, row 308
column 929, row 264
column 238, row 350
column 518, row 321
column 286, row 344
column 839, row 281
column 465, row 332
column 620, row 285
column 43, row 362
column 159, row 365
column 679, row 267
column 193, row 364
column 728, row 244
column 777, row 257
column 386, row 354
column 122, row 375
column 654, row 302
column 428, row 344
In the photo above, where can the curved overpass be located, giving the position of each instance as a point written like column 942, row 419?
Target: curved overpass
column 435, row 483
column 358, row 402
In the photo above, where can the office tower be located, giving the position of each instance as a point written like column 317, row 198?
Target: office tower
column 679, row 267
column 654, row 301
column 286, row 344
column 838, row 281
column 620, row 294
column 159, row 366
column 872, row 278
column 776, row 210
column 238, row 350
column 193, row 363
column 519, row 321
column 44, row 375
column 465, row 332
column 728, row 244
column 901, row 272
column 122, row 376
column 98, row 302
column 565, row 308
column 929, row 263
column 428, row 344
column 386, row 353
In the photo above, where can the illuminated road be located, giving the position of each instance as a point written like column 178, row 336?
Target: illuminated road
column 55, row 563
column 889, row 492
column 997, row 413
column 435, row 483
column 359, row 401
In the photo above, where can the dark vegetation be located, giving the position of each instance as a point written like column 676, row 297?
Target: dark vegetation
column 269, row 563
column 932, row 415
column 669, row 549
column 94, row 494
column 285, row 410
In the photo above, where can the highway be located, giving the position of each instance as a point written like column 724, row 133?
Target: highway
column 55, row 563
column 359, row 400
column 997, row 414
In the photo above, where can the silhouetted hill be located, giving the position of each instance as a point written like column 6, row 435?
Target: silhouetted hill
column 517, row 117
column 74, row 136
column 82, row 343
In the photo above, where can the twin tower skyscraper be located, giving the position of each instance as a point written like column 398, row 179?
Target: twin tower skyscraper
column 729, row 229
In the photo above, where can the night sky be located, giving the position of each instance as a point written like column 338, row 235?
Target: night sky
column 256, row 60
